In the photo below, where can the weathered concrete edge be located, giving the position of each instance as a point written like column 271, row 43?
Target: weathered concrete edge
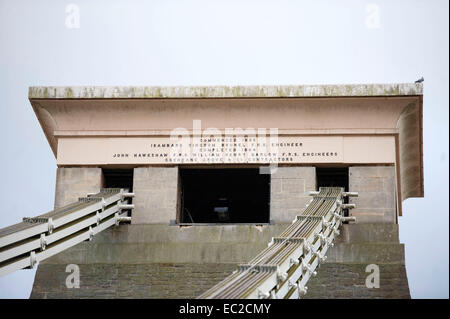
column 258, row 91
column 140, row 244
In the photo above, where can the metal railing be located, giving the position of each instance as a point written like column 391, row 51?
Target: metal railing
column 37, row 238
column 285, row 266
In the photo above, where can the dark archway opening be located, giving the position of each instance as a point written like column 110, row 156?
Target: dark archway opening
column 224, row 196
column 118, row 178
column 333, row 177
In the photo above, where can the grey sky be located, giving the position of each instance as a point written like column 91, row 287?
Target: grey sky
column 225, row 42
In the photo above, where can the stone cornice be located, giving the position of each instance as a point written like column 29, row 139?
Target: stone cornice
column 179, row 92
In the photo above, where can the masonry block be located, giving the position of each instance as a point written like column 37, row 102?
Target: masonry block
column 288, row 192
column 376, row 186
column 156, row 190
column 75, row 182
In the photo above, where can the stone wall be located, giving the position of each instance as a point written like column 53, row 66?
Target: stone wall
column 376, row 186
column 343, row 274
column 156, row 195
column 153, row 243
column 287, row 192
column 347, row 281
column 75, row 182
column 152, row 261
column 155, row 280
column 160, row 261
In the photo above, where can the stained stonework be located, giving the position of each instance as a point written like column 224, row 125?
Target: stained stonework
column 156, row 195
column 288, row 187
column 376, row 185
column 155, row 280
column 347, row 281
column 75, row 182
column 152, row 261
column 127, row 92
column 343, row 275
column 160, row 261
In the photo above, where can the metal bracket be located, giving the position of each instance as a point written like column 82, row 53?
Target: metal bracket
column 125, row 206
column 336, row 230
column 281, row 277
column 322, row 239
column 43, row 241
column 124, row 195
column 320, row 256
column 120, row 219
column 337, row 216
column 263, row 295
column 51, row 225
column 306, row 246
column 302, row 290
column 91, row 233
column 348, row 206
column 293, row 261
column 32, row 259
column 103, row 204
column 350, row 194
column 98, row 218
column 308, row 269
column 325, row 223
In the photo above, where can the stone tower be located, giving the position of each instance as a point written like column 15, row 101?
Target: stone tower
column 197, row 214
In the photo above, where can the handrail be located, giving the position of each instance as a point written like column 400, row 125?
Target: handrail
column 24, row 244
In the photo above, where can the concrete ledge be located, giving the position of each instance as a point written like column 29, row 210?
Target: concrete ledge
column 130, row 92
column 139, row 244
column 157, row 233
column 367, row 253
column 362, row 233
column 158, row 253
column 142, row 253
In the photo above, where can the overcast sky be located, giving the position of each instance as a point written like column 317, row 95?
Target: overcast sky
column 224, row 43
